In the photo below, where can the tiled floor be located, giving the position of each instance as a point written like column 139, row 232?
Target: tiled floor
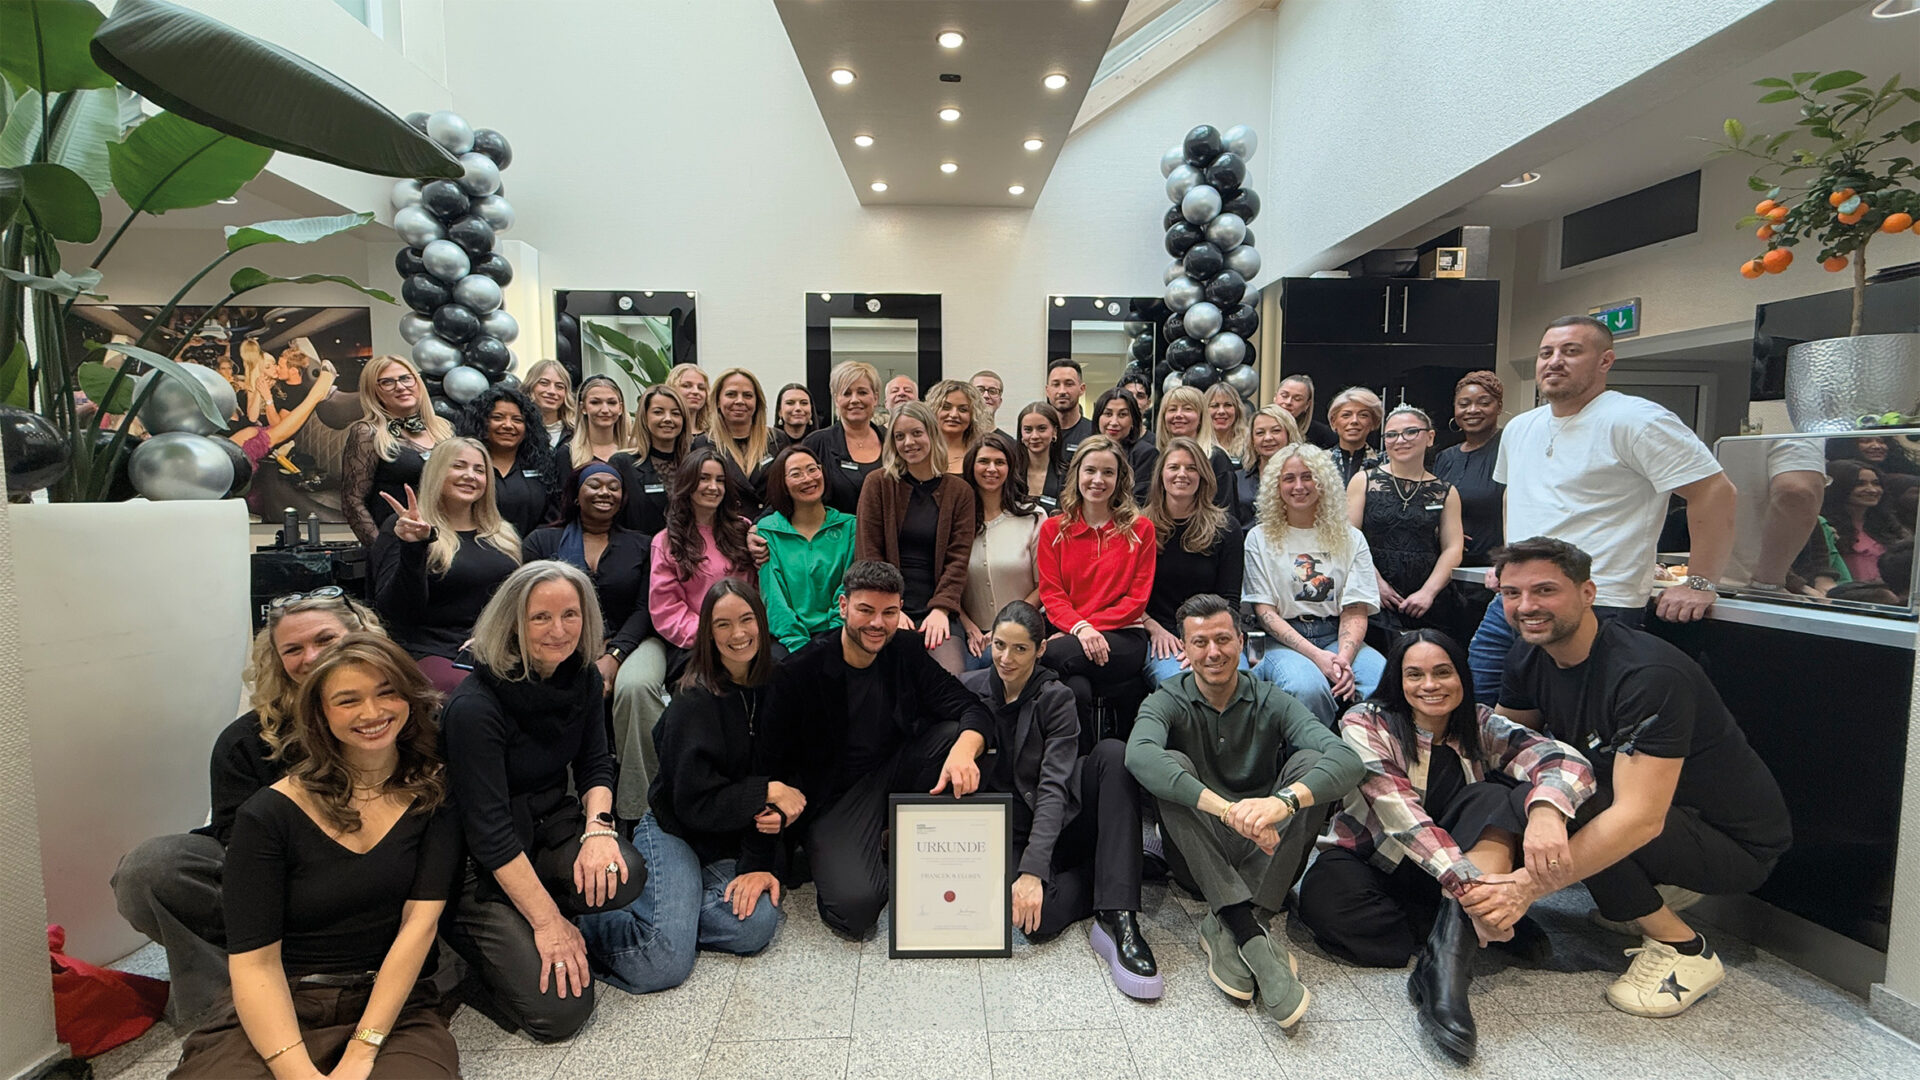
column 816, row 1006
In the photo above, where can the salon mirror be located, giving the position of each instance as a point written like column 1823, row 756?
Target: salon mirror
column 1825, row 520
column 898, row 333
column 1107, row 335
column 633, row 337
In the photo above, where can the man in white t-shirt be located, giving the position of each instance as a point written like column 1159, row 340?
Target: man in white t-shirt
column 1594, row 467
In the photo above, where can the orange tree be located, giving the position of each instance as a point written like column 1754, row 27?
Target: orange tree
column 1830, row 179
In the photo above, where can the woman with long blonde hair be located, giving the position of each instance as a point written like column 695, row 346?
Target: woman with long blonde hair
column 389, row 444
column 439, row 558
column 920, row 517
column 1227, row 418
column 735, row 424
column 1311, row 583
column 604, row 423
column 692, row 384
column 549, row 385
column 1183, row 411
column 1201, row 550
column 962, row 415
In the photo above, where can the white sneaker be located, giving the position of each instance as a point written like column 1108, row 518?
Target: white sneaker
column 1676, row 898
column 1662, row 981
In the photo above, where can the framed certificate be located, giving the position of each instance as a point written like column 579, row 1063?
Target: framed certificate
column 952, row 867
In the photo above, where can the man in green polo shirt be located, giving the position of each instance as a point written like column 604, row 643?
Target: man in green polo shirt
column 1244, row 775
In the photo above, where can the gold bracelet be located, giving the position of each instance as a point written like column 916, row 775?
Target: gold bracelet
column 282, row 1050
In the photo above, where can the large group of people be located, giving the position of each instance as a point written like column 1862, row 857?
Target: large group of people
column 626, row 678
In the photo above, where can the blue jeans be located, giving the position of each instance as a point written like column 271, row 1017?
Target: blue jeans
column 970, row 662
column 1487, row 652
column 1297, row 675
column 650, row 944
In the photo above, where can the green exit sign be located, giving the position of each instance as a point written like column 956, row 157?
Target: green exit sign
column 1622, row 318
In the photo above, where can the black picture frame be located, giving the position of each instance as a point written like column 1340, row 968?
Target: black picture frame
column 1064, row 310
column 570, row 304
column 824, row 307
column 972, row 802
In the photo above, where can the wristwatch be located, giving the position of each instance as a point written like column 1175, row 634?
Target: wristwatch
column 619, row 657
column 371, row 1037
column 1287, row 796
column 603, row 819
column 1700, row 584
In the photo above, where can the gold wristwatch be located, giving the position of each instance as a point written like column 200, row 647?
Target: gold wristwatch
column 371, row 1037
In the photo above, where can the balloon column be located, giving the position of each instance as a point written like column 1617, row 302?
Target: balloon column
column 450, row 275
column 1215, row 307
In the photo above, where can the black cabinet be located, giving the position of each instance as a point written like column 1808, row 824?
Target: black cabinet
column 1389, row 311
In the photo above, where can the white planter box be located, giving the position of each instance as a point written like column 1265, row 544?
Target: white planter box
column 134, row 630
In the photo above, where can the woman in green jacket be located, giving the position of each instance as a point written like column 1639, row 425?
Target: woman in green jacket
column 809, row 545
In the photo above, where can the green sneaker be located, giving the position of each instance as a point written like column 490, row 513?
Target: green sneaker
column 1224, row 966
column 1275, row 970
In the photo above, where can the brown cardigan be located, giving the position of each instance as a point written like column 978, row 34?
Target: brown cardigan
column 883, row 509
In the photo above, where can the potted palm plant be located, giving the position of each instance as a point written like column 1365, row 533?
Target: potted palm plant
column 1834, row 181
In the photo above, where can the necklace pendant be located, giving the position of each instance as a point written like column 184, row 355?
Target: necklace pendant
column 1549, row 449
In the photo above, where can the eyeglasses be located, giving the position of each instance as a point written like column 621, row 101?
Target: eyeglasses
column 394, row 382
column 1409, row 433
column 324, row 592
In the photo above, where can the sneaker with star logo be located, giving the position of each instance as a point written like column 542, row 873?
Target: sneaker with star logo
column 1662, row 981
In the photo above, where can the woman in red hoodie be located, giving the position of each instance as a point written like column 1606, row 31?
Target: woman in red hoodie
column 1096, row 560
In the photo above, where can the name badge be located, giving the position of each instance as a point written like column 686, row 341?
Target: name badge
column 765, row 461
column 850, row 466
column 530, row 473
column 1436, row 506
column 655, row 489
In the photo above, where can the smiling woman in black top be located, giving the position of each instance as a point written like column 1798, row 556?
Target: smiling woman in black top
column 1202, row 550
column 521, row 737
column 526, row 478
column 646, row 472
column 850, row 450
column 388, row 446
column 335, row 882
column 438, row 559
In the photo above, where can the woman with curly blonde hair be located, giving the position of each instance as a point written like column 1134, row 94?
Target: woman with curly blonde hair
column 1310, row 580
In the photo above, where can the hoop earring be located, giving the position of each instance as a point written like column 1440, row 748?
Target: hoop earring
column 1454, row 424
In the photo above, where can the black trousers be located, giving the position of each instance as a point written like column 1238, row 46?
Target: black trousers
column 1096, row 859
column 843, row 843
column 1380, row 918
column 1688, row 852
column 1122, row 678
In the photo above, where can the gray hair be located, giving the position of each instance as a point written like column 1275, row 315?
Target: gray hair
column 500, row 634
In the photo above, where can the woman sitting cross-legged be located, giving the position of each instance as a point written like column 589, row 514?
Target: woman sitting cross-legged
column 335, row 882
column 715, row 812
column 522, row 736
column 1449, row 793
column 809, row 547
column 1076, row 819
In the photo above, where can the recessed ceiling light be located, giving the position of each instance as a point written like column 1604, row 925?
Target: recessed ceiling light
column 952, row 39
column 949, row 167
column 1016, row 190
column 949, row 114
column 228, row 201
column 1033, row 144
column 863, row 141
column 1893, row 9
column 878, row 185
column 1522, row 180
column 1054, row 81
column 842, row 76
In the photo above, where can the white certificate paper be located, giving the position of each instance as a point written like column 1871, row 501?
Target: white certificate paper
column 950, row 877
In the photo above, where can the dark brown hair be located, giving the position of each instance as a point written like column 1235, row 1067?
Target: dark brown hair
column 778, row 495
column 1576, row 564
column 705, row 670
column 322, row 766
column 1586, row 322
column 1014, row 498
column 729, row 521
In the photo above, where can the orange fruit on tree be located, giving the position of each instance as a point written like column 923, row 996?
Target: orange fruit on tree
column 1839, row 197
column 1897, row 222
column 1777, row 260
column 1777, row 214
column 1916, row 228
column 1765, row 232
column 1836, row 264
column 1751, row 269
column 1765, row 205
column 1853, row 218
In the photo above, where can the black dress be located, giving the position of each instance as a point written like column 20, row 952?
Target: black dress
column 1402, row 526
column 844, row 475
column 1482, row 500
column 366, row 472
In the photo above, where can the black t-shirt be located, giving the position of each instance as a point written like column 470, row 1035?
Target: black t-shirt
column 1638, row 694
column 1071, row 438
column 919, row 557
column 1482, row 500
column 332, row 910
column 872, row 736
column 524, row 499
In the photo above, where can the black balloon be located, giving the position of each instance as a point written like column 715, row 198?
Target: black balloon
column 447, row 409
column 120, row 488
column 1203, row 261
column 496, row 267
column 493, row 144
column 1245, row 203
column 567, row 325
column 425, row 293
column 1242, row 319
column 36, row 454
column 407, row 261
column 1200, row 376
column 489, row 354
column 1183, row 235
column 1141, row 350
column 1202, row 146
column 456, row 323
column 510, row 381
column 563, row 352
column 1226, row 174
column 1160, row 372
column 1174, row 328
column 1252, row 356
column 1248, row 242
column 1184, row 352
column 472, row 233
column 1226, row 289
column 445, row 199
column 1173, row 217
column 242, row 468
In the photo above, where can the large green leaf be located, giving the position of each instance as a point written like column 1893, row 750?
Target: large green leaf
column 247, row 278
column 169, row 162
column 1834, row 80
column 174, row 370
column 85, row 121
column 61, row 202
column 215, row 75
column 12, row 189
column 295, row 231
column 62, row 284
column 15, row 387
column 43, row 45
column 95, row 378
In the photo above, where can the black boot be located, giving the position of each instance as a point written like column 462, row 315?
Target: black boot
column 1438, row 985
column 1117, row 940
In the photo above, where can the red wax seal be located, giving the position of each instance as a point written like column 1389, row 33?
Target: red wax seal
column 949, row 896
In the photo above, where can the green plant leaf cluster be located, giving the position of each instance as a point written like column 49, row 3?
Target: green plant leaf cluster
column 643, row 363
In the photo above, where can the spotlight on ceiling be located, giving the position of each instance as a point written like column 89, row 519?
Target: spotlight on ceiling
column 1016, row 190
column 1033, row 144
column 952, row 39
column 949, row 114
column 878, row 185
column 1522, row 180
column 863, row 141
column 1054, row 81
column 1893, row 9
column 842, row 76
column 949, row 167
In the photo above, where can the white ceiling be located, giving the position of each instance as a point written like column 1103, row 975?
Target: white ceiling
column 891, row 46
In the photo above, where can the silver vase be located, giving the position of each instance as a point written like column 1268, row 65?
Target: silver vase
column 1832, row 383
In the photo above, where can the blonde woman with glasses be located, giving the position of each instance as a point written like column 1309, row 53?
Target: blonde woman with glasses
column 1411, row 519
column 388, row 446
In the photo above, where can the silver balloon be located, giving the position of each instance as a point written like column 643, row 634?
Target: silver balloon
column 482, row 175
column 414, row 326
column 1175, row 157
column 434, row 356
column 1240, row 139
column 1245, row 260
column 1226, row 350
column 477, row 291
column 450, row 131
column 1226, row 231
column 1245, row 380
column 496, row 211
column 1174, row 270
column 405, row 193
column 1251, row 297
column 417, row 227
column 172, row 408
column 1202, row 320
column 446, row 260
column 1170, row 383
column 1183, row 293
column 1182, row 179
column 498, row 323
column 1201, row 205
column 180, row 465
column 463, row 384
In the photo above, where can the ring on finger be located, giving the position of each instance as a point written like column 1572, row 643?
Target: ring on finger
column 560, row 964
column 614, row 867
